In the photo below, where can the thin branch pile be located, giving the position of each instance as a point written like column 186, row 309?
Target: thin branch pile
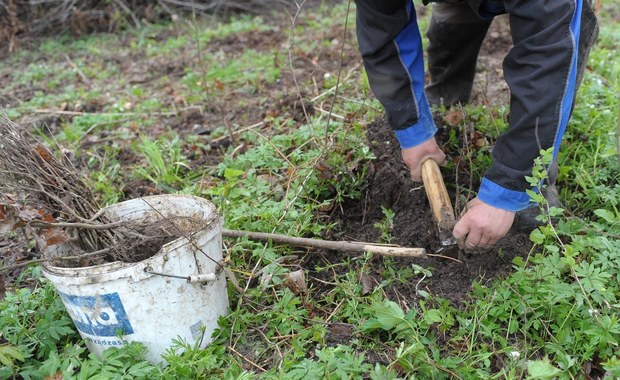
column 50, row 185
column 44, row 193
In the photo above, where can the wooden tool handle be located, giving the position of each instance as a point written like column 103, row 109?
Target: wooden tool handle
column 437, row 195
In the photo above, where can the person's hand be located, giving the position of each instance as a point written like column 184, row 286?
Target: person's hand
column 482, row 225
column 415, row 156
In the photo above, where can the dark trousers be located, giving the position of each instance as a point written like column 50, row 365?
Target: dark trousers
column 455, row 36
column 543, row 71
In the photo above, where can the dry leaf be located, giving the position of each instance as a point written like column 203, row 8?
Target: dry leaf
column 368, row 284
column 481, row 142
column 8, row 220
column 474, row 135
column 325, row 170
column 29, row 214
column 218, row 84
column 270, row 114
column 327, row 207
column 56, row 376
column 12, row 216
column 265, row 279
column 44, row 153
column 453, row 117
column 53, row 236
column 296, row 281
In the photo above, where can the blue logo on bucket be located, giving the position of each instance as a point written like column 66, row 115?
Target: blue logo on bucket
column 102, row 315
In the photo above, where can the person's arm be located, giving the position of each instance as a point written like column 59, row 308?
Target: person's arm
column 391, row 47
column 542, row 70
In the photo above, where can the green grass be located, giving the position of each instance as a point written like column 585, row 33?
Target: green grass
column 165, row 166
column 554, row 316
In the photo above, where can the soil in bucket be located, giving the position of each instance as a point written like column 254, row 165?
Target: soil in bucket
column 142, row 299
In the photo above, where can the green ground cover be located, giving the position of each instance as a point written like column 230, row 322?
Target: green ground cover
column 556, row 316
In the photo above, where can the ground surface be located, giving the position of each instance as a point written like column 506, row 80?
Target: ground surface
column 388, row 184
column 390, row 187
column 238, row 112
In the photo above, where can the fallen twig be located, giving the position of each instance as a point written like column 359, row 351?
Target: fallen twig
column 104, row 251
column 86, row 226
column 329, row 113
column 246, row 359
column 444, row 257
column 245, row 129
column 343, row 246
column 78, row 71
column 79, row 113
column 353, row 70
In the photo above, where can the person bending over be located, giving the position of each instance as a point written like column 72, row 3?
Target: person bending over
column 552, row 39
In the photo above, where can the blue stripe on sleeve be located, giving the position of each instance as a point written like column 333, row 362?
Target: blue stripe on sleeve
column 569, row 92
column 409, row 45
column 500, row 197
column 421, row 131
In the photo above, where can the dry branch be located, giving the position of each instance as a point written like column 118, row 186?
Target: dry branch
column 9, row 268
column 52, row 198
column 50, row 185
column 343, row 246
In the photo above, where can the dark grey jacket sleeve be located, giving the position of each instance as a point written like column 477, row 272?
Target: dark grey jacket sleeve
column 543, row 71
column 391, row 47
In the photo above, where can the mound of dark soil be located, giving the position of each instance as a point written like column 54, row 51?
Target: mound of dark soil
column 390, row 186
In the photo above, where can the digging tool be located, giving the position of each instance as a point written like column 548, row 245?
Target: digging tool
column 443, row 213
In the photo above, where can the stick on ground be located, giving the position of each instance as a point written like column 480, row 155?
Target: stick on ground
column 342, row 246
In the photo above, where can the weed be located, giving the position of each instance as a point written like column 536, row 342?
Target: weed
column 35, row 325
column 164, row 164
column 386, row 225
column 245, row 73
column 331, row 363
column 105, row 174
column 191, row 362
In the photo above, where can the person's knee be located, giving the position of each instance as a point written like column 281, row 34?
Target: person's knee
column 386, row 7
column 457, row 12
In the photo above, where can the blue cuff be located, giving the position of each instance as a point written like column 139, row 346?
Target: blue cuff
column 419, row 132
column 500, row 197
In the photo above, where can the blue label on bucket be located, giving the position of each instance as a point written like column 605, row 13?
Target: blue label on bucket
column 102, row 315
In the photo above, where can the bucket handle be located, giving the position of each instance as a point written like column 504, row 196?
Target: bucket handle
column 192, row 279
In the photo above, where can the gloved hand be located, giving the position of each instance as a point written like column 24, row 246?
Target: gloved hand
column 415, row 156
column 482, row 225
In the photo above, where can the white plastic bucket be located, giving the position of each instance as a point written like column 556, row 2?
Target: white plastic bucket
column 114, row 303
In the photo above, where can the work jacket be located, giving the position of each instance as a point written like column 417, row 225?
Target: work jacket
column 543, row 69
